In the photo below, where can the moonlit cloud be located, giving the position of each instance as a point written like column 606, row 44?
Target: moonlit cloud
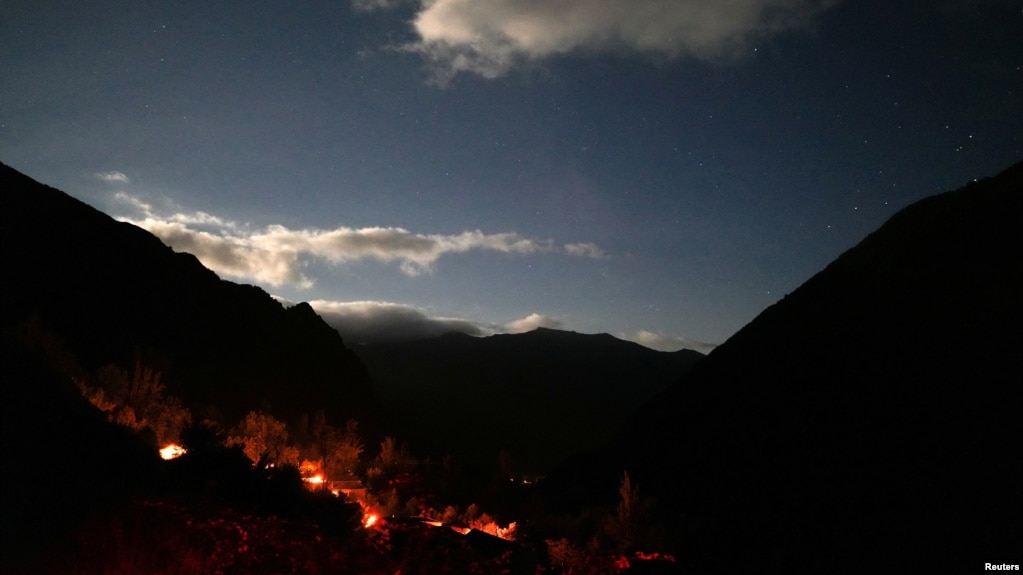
column 135, row 203
column 377, row 321
column 489, row 37
column 113, row 177
column 662, row 342
column 198, row 219
column 531, row 322
column 585, row 249
column 276, row 255
column 246, row 257
column 381, row 321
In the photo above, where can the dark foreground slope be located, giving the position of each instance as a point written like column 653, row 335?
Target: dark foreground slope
column 61, row 461
column 542, row 395
column 112, row 293
column 870, row 421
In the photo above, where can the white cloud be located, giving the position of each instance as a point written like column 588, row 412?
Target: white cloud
column 662, row 342
column 233, row 255
column 146, row 210
column 488, row 37
column 584, row 249
column 276, row 255
column 113, row 177
column 135, row 203
column 531, row 322
column 382, row 321
column 377, row 321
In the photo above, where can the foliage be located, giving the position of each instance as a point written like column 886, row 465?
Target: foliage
column 565, row 557
column 263, row 518
column 343, row 449
column 161, row 538
column 393, row 455
column 631, row 527
column 264, row 440
column 624, row 524
column 138, row 401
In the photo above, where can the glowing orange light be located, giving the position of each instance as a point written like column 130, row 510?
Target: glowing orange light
column 492, row 528
column 655, row 556
column 171, row 451
column 315, row 479
column 370, row 519
column 506, row 532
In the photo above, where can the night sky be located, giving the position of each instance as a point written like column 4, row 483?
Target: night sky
column 659, row 170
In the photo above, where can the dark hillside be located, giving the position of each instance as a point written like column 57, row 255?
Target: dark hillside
column 113, row 293
column 542, row 395
column 869, row 421
column 62, row 461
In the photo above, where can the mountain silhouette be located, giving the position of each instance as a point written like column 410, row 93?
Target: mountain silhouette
column 541, row 395
column 112, row 293
column 868, row 422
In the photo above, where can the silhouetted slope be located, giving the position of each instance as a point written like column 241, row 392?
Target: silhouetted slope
column 870, row 421
column 61, row 462
column 543, row 395
column 113, row 291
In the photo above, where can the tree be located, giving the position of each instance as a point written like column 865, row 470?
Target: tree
column 565, row 556
column 344, row 449
column 321, row 435
column 392, row 454
column 138, row 401
column 624, row 524
column 264, row 439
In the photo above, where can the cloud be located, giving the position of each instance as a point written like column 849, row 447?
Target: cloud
column 584, row 249
column 381, row 321
column 276, row 255
column 135, row 203
column 197, row 218
column 531, row 322
column 238, row 256
column 489, row 37
column 113, row 177
column 371, row 5
column 378, row 321
column 662, row 342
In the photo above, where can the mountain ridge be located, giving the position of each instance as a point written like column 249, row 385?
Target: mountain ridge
column 558, row 390
column 868, row 419
column 115, row 293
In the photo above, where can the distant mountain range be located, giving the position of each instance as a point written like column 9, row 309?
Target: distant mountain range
column 542, row 395
column 111, row 293
column 869, row 422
